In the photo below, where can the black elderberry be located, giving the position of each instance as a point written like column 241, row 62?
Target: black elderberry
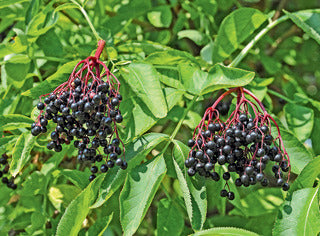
column 280, row 182
column 230, row 195
column 264, row 182
column 94, row 169
column 40, row 106
column 92, row 177
column 191, row 143
column 104, row 168
column 285, row 187
column 221, row 160
column 226, row 175
column 223, row 193
column 238, row 182
column 110, row 164
column 124, row 165
column 259, row 177
column 244, row 141
column 191, row 172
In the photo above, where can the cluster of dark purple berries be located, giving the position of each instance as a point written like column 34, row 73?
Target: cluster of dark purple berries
column 243, row 144
column 4, row 173
column 86, row 113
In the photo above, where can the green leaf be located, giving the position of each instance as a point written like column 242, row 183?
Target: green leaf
column 78, row 178
column 173, row 96
column 234, row 29
column 61, row 76
column 16, row 68
column 50, row 44
column 308, row 21
column 300, row 120
column 19, row 45
column 298, row 153
column 5, row 142
column 6, row 3
column 41, row 23
column 21, row 153
column 65, row 7
column 136, row 47
column 14, row 121
column 144, row 81
column 299, row 215
column 138, row 118
column 169, row 218
column 307, row 176
column 171, row 57
column 265, row 201
column 138, row 191
column 100, row 226
column 199, row 82
column 136, row 151
column 76, row 212
column 160, row 16
column 62, row 194
column 32, row 10
column 194, row 190
column 226, row 231
column 194, row 35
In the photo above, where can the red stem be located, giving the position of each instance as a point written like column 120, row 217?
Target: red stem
column 101, row 45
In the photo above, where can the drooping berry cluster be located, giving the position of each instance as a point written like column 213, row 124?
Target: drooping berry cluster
column 243, row 144
column 86, row 109
column 4, row 172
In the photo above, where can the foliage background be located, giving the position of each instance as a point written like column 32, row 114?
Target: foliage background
column 170, row 57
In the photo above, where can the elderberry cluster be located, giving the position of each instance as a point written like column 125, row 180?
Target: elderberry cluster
column 86, row 113
column 4, row 172
column 243, row 144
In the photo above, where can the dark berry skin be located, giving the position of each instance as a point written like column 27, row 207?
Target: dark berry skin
column 110, row 164
column 92, row 177
column 286, row 187
column 215, row 176
column 104, row 168
column 238, row 182
column 191, row 172
column 226, row 176
column 223, row 193
column 280, row 182
column 124, row 165
column 119, row 162
column 94, row 169
column 40, row 106
column 208, row 166
column 230, row 196
column 118, row 118
column 191, row 143
column 259, row 176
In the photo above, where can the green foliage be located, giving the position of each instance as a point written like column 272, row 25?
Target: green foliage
column 138, row 192
column 173, row 58
column 194, row 191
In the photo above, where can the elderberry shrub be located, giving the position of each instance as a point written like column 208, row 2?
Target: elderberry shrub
column 243, row 143
column 4, row 172
column 86, row 113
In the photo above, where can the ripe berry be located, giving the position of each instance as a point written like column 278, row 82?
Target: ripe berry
column 226, row 175
column 191, row 172
column 223, row 193
column 104, row 168
column 230, row 196
column 94, row 169
column 40, row 106
column 92, row 177
column 286, row 187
